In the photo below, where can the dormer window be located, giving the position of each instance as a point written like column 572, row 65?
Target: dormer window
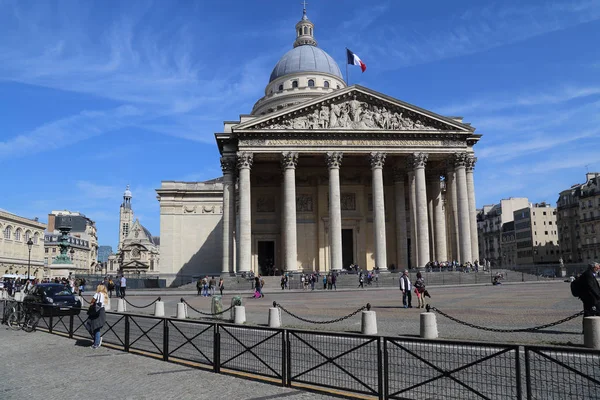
column 294, row 84
column 281, row 87
column 311, row 83
column 326, row 84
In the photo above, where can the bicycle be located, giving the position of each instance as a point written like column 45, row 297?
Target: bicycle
column 23, row 316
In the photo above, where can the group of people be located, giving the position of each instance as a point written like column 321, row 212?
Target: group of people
column 117, row 285
column 206, row 286
column 438, row 266
column 328, row 280
column 369, row 277
column 407, row 288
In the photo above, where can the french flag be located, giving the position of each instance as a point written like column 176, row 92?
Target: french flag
column 353, row 59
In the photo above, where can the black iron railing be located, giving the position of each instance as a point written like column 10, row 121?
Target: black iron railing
column 350, row 364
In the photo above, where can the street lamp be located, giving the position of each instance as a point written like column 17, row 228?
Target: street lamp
column 29, row 244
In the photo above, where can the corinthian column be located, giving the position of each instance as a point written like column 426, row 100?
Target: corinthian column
column 452, row 210
column 412, row 210
column 228, row 167
column 288, row 162
column 377, row 161
column 440, row 221
column 399, row 194
column 244, row 163
column 471, row 160
column 334, row 161
column 464, row 226
column 419, row 160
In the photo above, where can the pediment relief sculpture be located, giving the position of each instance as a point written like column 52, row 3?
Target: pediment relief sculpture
column 357, row 115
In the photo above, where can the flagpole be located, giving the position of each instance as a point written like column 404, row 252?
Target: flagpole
column 347, row 78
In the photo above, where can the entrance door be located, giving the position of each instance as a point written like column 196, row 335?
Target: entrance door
column 266, row 257
column 347, row 247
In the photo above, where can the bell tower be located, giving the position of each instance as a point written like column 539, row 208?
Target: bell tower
column 125, row 217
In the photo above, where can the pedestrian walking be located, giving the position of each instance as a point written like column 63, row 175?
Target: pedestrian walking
column 117, row 286
column 199, row 286
column 361, row 280
column 211, row 286
column 406, row 287
column 334, row 280
column 96, row 316
column 420, row 290
column 123, row 286
column 221, row 286
column 588, row 290
column 111, row 287
column 324, row 282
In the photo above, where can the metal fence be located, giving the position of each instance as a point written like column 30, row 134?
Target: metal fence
column 350, row 364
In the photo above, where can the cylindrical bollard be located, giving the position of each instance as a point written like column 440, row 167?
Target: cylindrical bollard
column 159, row 309
column 591, row 332
column 239, row 315
column 181, row 311
column 274, row 318
column 368, row 324
column 107, row 304
column 121, row 306
column 428, row 326
column 18, row 296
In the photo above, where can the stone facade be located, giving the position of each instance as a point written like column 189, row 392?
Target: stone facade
column 15, row 231
column 578, row 219
column 536, row 235
column 321, row 176
column 490, row 223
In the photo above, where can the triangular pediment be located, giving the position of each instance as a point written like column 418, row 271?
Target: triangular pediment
column 137, row 233
column 355, row 108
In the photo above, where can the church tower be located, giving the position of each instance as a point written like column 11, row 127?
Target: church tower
column 125, row 217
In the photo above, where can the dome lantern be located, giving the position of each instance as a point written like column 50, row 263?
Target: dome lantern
column 304, row 31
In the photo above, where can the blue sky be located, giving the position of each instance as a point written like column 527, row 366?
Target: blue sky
column 95, row 95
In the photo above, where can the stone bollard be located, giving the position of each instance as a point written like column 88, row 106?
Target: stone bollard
column 159, row 308
column 274, row 316
column 18, row 296
column 428, row 326
column 107, row 304
column 181, row 311
column 235, row 301
column 591, row 332
column 121, row 305
column 368, row 324
column 239, row 315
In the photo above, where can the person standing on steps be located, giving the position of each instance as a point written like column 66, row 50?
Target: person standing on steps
column 221, row 286
column 406, row 287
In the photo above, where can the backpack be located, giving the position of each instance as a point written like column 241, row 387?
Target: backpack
column 576, row 286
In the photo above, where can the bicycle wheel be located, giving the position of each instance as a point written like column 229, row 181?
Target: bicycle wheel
column 15, row 321
column 31, row 322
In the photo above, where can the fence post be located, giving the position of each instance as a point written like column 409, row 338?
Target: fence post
column 165, row 339
column 518, row 371
column 126, row 333
column 386, row 382
column 51, row 322
column 217, row 350
column 379, row 370
column 71, row 326
column 289, row 360
column 283, row 357
column 527, row 373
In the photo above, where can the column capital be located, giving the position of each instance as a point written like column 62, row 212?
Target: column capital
column 399, row 173
column 471, row 160
column 377, row 159
column 417, row 160
column 289, row 160
column 460, row 160
column 228, row 164
column 244, row 160
column 334, row 159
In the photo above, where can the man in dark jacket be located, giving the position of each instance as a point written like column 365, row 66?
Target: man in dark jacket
column 590, row 290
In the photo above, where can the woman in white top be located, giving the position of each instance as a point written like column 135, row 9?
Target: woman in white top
column 96, row 315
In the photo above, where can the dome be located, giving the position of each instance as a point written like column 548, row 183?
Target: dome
column 127, row 192
column 305, row 59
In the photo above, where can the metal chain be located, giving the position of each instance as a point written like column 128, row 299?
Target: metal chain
column 146, row 306
column 367, row 307
column 484, row 328
column 205, row 313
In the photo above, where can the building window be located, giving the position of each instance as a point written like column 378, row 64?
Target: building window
column 326, row 84
column 545, row 232
column 280, row 88
column 18, row 235
column 305, row 30
column 294, row 84
column 7, row 232
column 27, row 236
column 54, row 249
column 299, row 31
column 46, row 250
column 311, row 83
column 338, row 86
column 544, row 212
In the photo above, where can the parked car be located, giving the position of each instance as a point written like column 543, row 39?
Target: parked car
column 54, row 298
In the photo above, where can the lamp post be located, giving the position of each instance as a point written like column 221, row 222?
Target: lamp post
column 29, row 244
